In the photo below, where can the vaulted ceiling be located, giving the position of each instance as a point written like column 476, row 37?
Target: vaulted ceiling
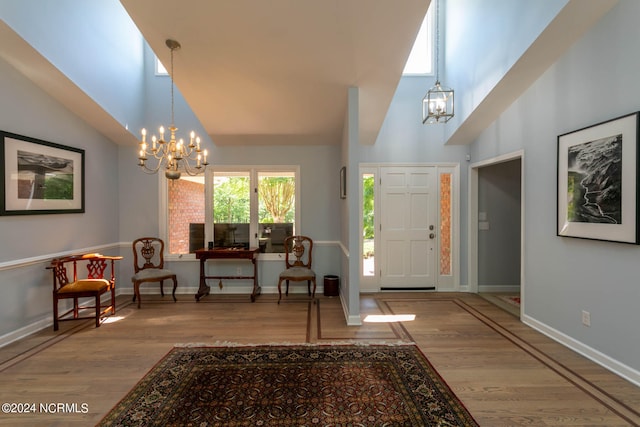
column 277, row 71
column 257, row 72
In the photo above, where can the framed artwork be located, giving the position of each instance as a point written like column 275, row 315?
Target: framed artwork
column 343, row 182
column 598, row 181
column 39, row 177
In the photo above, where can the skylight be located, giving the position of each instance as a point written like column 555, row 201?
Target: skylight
column 420, row 60
column 160, row 70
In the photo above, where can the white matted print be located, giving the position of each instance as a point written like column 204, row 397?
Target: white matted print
column 597, row 181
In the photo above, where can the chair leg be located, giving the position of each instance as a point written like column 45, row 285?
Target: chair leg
column 175, row 285
column 113, row 299
column 279, row 290
column 136, row 292
column 287, row 292
column 309, row 287
column 162, row 288
column 97, row 311
column 55, row 314
column 313, row 295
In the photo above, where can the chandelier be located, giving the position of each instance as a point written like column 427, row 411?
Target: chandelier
column 437, row 104
column 175, row 156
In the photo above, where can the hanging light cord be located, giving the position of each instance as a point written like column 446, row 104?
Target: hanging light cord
column 172, row 122
column 437, row 18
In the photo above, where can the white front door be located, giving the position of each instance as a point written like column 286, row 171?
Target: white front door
column 408, row 221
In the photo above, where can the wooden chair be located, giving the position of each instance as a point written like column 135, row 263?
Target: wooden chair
column 298, row 270
column 148, row 263
column 93, row 286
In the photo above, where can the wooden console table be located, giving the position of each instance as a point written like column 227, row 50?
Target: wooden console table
column 227, row 253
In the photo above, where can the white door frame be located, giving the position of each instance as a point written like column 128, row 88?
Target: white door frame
column 443, row 283
column 473, row 219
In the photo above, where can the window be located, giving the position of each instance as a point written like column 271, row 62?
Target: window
column 420, row 61
column 186, row 214
column 368, row 224
column 160, row 70
column 249, row 207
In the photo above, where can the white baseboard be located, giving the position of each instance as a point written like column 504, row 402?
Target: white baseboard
column 489, row 288
column 592, row 354
column 215, row 290
column 352, row 320
column 26, row 331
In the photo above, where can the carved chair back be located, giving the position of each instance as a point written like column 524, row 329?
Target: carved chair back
column 298, row 251
column 96, row 266
column 148, row 252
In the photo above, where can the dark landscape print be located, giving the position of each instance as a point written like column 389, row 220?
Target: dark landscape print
column 44, row 177
column 594, row 184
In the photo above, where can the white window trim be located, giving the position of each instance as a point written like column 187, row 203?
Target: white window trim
column 163, row 201
column 159, row 69
column 429, row 21
column 253, row 174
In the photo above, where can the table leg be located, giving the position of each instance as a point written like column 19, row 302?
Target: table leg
column 256, row 288
column 203, row 289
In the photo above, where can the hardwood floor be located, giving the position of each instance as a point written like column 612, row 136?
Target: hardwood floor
column 504, row 372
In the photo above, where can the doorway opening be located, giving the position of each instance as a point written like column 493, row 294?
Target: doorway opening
column 496, row 225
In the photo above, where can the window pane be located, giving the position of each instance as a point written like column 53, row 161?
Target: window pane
column 420, row 59
column 186, row 214
column 231, row 209
column 368, row 228
column 445, row 224
column 276, row 209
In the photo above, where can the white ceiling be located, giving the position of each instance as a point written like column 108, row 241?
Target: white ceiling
column 278, row 71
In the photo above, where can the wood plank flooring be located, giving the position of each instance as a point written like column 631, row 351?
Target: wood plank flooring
column 504, row 372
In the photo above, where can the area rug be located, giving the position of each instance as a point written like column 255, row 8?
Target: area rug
column 510, row 299
column 291, row 385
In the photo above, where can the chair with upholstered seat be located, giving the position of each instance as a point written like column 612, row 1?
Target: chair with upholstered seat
column 298, row 269
column 93, row 286
column 148, row 264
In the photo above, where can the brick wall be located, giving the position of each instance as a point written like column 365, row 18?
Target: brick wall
column 186, row 205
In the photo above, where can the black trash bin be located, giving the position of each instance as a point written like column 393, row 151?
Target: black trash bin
column 331, row 285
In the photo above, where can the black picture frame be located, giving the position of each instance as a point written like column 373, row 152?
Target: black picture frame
column 597, row 181
column 343, row 182
column 40, row 177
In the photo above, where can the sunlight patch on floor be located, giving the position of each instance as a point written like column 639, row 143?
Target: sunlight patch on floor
column 389, row 318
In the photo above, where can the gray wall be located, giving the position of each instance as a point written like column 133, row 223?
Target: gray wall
column 29, row 241
column 499, row 242
column 564, row 276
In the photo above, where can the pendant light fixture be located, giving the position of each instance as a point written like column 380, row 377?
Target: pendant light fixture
column 437, row 104
column 175, row 156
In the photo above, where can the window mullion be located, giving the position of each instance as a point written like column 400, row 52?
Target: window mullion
column 253, row 208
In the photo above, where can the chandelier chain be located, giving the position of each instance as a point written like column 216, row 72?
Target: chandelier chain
column 176, row 155
column 437, row 18
column 437, row 104
column 172, row 84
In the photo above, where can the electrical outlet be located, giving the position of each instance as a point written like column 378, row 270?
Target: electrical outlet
column 239, row 271
column 586, row 318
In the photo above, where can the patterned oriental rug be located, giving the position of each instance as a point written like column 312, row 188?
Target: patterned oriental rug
column 291, row 385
